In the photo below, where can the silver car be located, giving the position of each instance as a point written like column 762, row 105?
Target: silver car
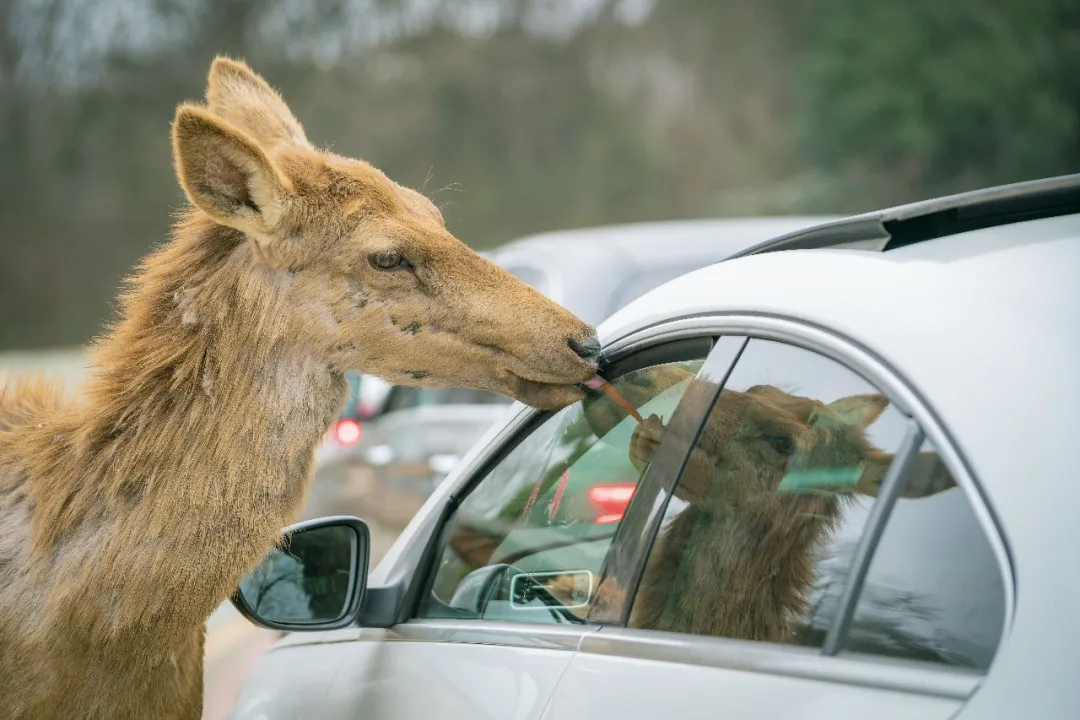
column 420, row 434
column 855, row 442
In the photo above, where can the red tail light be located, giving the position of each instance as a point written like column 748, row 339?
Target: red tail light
column 347, row 432
column 611, row 501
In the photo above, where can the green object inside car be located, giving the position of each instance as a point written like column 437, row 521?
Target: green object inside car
column 820, row 479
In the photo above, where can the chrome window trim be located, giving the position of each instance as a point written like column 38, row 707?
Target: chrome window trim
column 792, row 661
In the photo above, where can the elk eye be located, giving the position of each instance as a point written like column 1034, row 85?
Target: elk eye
column 388, row 260
column 780, row 444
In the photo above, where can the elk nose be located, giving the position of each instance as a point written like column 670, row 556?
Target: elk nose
column 587, row 350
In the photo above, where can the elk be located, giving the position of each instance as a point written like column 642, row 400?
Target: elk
column 128, row 513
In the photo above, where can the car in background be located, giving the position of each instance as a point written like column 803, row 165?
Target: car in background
column 421, row 434
column 925, row 353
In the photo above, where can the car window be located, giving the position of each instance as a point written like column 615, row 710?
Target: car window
column 757, row 539
column 527, row 543
column 934, row 590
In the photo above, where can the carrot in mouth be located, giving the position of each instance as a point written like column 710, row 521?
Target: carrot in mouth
column 599, row 383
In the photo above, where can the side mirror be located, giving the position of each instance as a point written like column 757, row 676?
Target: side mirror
column 313, row 580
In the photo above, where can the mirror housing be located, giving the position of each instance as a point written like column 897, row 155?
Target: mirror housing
column 313, row 580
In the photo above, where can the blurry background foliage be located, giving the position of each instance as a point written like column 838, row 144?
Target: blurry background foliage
column 519, row 116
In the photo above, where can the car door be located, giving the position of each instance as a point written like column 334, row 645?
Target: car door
column 813, row 556
column 503, row 601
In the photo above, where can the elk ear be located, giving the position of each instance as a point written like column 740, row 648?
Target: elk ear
column 857, row 411
column 242, row 97
column 226, row 174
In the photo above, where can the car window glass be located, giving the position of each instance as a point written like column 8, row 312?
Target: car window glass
column 934, row 589
column 770, row 505
column 528, row 542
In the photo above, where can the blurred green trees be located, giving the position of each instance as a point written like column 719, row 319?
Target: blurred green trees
column 521, row 115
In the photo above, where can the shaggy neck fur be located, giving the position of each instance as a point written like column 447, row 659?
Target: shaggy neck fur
column 193, row 442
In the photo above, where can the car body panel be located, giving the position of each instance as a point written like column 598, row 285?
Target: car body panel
column 408, row 677
column 978, row 336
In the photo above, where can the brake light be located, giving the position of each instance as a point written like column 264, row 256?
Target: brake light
column 611, row 501
column 347, row 431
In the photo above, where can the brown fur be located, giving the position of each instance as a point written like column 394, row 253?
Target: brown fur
column 128, row 514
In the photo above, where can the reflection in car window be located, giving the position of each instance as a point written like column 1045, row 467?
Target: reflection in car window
column 934, row 589
column 528, row 542
column 766, row 515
